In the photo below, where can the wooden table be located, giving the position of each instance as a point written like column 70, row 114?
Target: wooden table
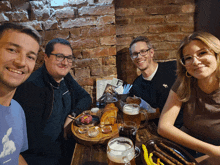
column 96, row 154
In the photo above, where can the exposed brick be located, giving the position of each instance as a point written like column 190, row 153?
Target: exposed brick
column 36, row 24
column 133, row 29
column 50, row 24
column 85, row 43
column 129, row 3
column 74, row 32
column 3, row 18
column 5, row 6
column 86, row 81
column 99, row 52
column 66, row 12
column 77, row 2
column 78, row 22
column 106, row 1
column 111, row 60
column 50, row 34
column 166, row 45
column 164, row 55
column 97, row 10
column 129, row 11
column 41, row 14
column 149, row 20
column 108, row 19
column 36, row 5
column 187, row 28
column 174, row 18
column 163, row 10
column 96, row 71
column 17, row 16
column 77, row 53
column 175, row 37
column 112, row 51
column 110, row 40
column 87, row 62
column 123, row 40
column 190, row 8
column 156, row 37
column 79, row 72
column 109, row 70
column 122, row 21
column 179, row 1
column 163, row 28
column 98, row 31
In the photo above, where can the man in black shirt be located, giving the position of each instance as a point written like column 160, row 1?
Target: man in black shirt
column 156, row 79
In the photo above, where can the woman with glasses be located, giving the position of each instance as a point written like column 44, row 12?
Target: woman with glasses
column 197, row 91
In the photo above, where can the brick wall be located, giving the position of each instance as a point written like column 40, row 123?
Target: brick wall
column 89, row 25
column 164, row 22
column 101, row 31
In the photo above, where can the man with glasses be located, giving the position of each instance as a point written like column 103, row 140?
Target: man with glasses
column 156, row 79
column 49, row 98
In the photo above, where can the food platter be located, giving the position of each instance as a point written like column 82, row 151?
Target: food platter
column 95, row 121
column 162, row 144
column 99, row 138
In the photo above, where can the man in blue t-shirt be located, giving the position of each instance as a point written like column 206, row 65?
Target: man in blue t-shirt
column 19, row 46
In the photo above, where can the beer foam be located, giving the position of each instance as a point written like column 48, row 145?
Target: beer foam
column 130, row 110
column 116, row 152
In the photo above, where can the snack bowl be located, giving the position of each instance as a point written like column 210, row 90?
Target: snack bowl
column 93, row 131
column 106, row 129
column 83, row 129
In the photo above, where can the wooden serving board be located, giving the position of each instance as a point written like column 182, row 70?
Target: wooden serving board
column 101, row 138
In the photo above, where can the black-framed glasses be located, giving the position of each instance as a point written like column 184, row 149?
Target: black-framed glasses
column 143, row 52
column 202, row 54
column 61, row 57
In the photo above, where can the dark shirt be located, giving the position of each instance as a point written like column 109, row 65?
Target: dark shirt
column 46, row 105
column 156, row 91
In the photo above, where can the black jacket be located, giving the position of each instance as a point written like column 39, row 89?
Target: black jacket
column 36, row 98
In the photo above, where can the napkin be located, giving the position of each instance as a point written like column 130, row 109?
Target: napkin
column 147, row 106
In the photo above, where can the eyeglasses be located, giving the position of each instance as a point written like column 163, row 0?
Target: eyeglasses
column 61, row 57
column 200, row 55
column 143, row 52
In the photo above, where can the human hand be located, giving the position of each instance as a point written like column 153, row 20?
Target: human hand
column 147, row 106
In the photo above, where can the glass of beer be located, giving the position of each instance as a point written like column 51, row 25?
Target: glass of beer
column 120, row 151
column 132, row 112
column 129, row 129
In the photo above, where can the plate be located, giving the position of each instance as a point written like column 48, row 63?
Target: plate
column 95, row 121
column 176, row 148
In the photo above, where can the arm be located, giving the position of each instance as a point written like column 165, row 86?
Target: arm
column 82, row 99
column 21, row 160
column 167, row 129
column 67, row 127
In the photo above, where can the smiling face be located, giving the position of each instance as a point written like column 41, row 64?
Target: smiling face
column 203, row 68
column 18, row 54
column 142, row 62
column 56, row 68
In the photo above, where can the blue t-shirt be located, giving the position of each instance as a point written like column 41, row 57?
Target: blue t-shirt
column 13, row 134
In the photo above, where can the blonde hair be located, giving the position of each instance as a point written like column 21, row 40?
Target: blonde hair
column 184, row 90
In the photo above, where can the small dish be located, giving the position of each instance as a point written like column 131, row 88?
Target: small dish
column 93, row 131
column 82, row 129
column 106, row 129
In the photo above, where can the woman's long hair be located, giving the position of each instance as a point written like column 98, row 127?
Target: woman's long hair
column 184, row 90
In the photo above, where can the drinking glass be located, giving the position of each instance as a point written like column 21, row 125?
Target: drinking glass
column 120, row 151
column 129, row 129
column 132, row 112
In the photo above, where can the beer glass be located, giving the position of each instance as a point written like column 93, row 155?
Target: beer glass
column 128, row 129
column 132, row 112
column 120, row 151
